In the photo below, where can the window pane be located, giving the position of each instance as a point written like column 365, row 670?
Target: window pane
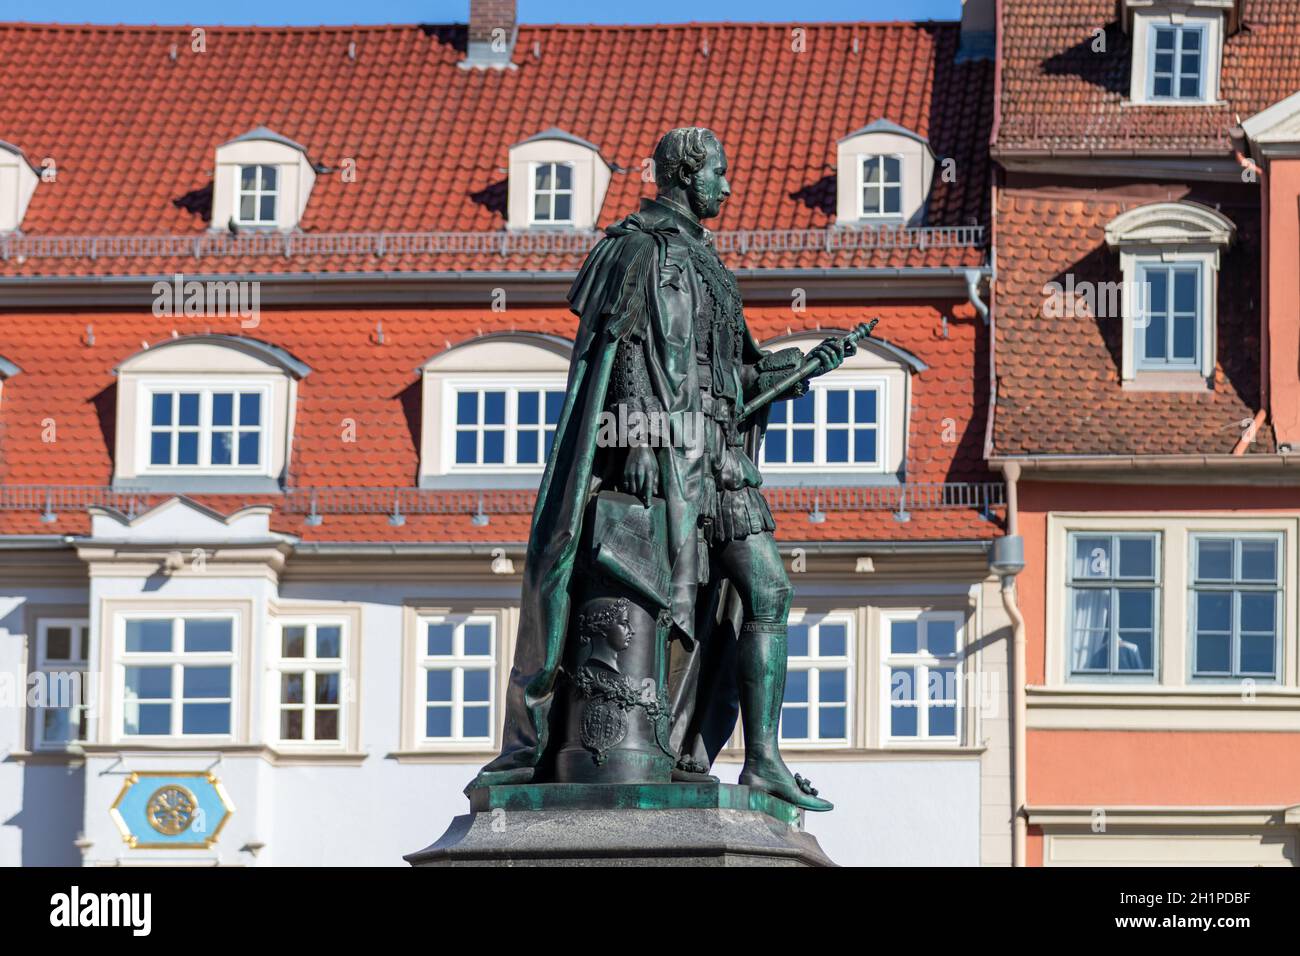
column 266, row 211
column 1214, row 559
column 1135, row 651
column 831, row 723
column 796, row 687
column 527, row 448
column 205, row 719
column 467, row 408
column 475, row 721
column 794, row 723
column 802, row 447
column 327, row 725
column 902, row 683
column 160, row 448
column 1091, row 558
column 250, row 408
column 187, row 448
column 441, row 639
column 893, row 200
column 1258, row 612
column 871, row 201
column 941, row 637
column 542, row 207
column 1136, row 608
column 327, row 688
column 833, row 640
column 147, row 719
column 941, row 683
column 291, row 689
column 476, row 685
column 1137, row 558
column 189, row 408
column 543, row 176
column 864, row 444
column 804, row 409
column 478, row 640
column 872, row 168
column 162, row 408
column 1163, row 86
column 1191, row 39
column 837, row 406
column 223, row 448
column 832, row 687
column 554, row 405
column 494, row 408
column 223, row 408
column 1090, row 630
column 148, row 637
column 249, row 447
column 206, row 682
column 58, row 644
column 902, row 637
column 438, row 686
column 837, row 445
column 562, row 211
column 438, row 722
column 864, row 405
column 1259, row 561
column 797, row 640
column 1184, row 338
column 466, row 448
column 902, row 721
column 1189, row 86
column 1256, row 654
column 527, row 414
column 268, row 177
column 247, row 177
column 1214, row 611
column 148, row 683
column 203, row 635
column 564, row 176
column 1212, row 653
column 329, row 641
column 494, row 448
column 291, row 725
column 943, row 720
column 293, row 641
column 893, row 169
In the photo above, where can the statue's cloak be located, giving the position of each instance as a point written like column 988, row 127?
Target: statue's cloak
column 637, row 283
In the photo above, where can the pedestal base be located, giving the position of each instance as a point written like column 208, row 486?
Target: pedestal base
column 674, row 824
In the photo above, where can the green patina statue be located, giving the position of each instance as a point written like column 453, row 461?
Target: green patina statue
column 655, row 600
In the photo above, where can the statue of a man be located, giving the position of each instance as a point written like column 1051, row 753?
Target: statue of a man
column 662, row 334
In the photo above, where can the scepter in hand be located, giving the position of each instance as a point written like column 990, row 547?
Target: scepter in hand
column 809, row 368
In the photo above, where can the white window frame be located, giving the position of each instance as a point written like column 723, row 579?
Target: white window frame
column 880, row 187
column 310, row 665
column 813, row 663
column 205, row 389
column 1179, row 30
column 1235, row 587
column 456, row 663
column 534, row 192
column 77, row 663
column 1133, row 259
column 453, row 386
column 1113, row 584
column 177, row 660
column 921, row 662
column 840, row 382
column 258, row 193
column 1142, row 318
column 1208, row 20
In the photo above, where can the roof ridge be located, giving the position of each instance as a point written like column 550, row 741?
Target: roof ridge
column 375, row 27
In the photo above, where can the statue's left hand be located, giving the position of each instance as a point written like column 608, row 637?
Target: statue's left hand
column 831, row 354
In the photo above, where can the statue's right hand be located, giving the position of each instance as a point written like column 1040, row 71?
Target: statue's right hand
column 641, row 472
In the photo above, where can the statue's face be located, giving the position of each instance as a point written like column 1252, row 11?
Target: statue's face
column 708, row 189
column 619, row 635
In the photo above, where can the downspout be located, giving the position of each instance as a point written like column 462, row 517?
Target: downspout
column 1008, row 560
column 973, row 277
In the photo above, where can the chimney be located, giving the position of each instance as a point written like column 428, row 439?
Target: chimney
column 979, row 22
column 492, row 31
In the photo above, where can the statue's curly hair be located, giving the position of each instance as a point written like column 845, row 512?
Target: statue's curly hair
column 591, row 623
column 681, row 151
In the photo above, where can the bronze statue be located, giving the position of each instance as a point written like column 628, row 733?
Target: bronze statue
column 655, row 600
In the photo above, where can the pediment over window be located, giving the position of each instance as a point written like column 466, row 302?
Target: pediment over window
column 206, row 413
column 884, row 173
column 1275, row 131
column 262, row 181
column 1170, row 223
column 557, row 180
column 18, row 181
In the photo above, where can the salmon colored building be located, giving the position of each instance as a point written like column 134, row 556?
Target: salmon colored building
column 1147, row 419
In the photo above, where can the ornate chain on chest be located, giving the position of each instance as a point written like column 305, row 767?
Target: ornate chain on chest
column 718, row 324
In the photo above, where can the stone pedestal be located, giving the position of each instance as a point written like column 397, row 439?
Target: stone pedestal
column 672, row 824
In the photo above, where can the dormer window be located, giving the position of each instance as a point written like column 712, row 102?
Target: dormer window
column 206, row 413
column 1169, row 257
column 263, row 181
column 257, row 195
column 1177, row 48
column 552, row 193
column 556, row 180
column 18, row 181
column 882, row 186
column 884, row 176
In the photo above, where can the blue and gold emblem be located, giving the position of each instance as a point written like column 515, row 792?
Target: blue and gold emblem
column 174, row 811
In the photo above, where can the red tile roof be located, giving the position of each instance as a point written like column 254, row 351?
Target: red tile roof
column 132, row 130
column 1057, row 93
column 1058, row 379
column 69, row 383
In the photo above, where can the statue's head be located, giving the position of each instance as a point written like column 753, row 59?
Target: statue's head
column 605, row 628
column 690, row 163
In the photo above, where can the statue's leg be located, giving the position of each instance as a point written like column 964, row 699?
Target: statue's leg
column 753, row 564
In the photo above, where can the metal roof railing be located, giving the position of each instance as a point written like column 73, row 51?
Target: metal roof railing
column 221, row 244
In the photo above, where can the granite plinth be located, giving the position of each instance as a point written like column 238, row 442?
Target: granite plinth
column 674, row 824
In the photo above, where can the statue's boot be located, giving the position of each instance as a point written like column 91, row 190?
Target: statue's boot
column 762, row 663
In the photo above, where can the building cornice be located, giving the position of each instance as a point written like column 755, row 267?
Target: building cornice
column 1256, row 469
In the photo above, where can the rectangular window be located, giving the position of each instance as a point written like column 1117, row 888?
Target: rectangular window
column 922, row 672
column 1113, row 605
column 257, row 195
column 457, row 670
column 310, row 681
column 1236, row 606
column 882, row 186
column 177, row 675
column 818, row 681
column 835, row 426
column 1177, row 62
column 206, row 428
column 507, row 427
column 62, row 650
column 553, row 193
column 1169, row 319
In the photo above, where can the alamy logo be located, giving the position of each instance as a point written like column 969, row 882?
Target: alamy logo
column 209, row 298
column 102, row 909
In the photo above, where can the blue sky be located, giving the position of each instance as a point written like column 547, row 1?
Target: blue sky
column 454, row 11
